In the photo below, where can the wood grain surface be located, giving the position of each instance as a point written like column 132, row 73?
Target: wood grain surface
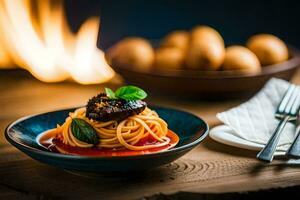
column 209, row 168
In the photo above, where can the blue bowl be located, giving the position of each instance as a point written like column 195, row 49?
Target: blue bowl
column 23, row 132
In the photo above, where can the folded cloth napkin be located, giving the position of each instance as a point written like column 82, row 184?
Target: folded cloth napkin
column 255, row 119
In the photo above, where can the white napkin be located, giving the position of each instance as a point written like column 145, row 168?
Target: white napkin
column 254, row 120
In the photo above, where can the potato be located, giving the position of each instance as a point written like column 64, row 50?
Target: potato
column 132, row 52
column 169, row 58
column 206, row 49
column 268, row 48
column 240, row 58
column 177, row 39
column 205, row 56
column 205, row 34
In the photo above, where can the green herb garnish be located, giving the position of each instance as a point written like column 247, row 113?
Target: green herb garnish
column 110, row 93
column 126, row 92
column 83, row 131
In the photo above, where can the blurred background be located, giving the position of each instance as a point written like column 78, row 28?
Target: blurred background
column 60, row 40
column 54, row 40
column 235, row 20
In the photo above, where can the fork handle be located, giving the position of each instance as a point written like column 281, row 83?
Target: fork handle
column 294, row 150
column 267, row 153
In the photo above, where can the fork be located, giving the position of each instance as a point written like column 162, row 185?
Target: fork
column 286, row 111
column 294, row 149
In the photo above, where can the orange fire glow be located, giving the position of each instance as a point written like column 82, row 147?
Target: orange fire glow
column 40, row 41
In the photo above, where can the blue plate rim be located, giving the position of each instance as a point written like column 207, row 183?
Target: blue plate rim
column 19, row 145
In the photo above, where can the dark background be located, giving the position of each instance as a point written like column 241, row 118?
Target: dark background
column 235, row 20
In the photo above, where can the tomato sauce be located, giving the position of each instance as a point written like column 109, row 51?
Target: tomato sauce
column 54, row 144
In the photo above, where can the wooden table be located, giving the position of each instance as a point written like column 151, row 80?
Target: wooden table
column 209, row 168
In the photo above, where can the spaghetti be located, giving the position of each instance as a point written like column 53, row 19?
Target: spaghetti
column 128, row 134
column 111, row 124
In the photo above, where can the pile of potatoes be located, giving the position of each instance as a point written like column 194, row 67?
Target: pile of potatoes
column 202, row 48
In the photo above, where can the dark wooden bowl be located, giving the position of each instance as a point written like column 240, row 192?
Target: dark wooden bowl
column 208, row 84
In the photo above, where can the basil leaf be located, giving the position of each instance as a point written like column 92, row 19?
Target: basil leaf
column 83, row 131
column 130, row 93
column 110, row 93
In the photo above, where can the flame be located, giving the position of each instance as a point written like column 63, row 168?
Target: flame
column 40, row 41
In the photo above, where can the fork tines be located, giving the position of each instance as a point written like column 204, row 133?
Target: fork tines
column 290, row 102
